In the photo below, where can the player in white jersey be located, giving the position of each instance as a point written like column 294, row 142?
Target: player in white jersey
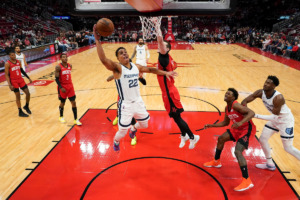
column 142, row 56
column 281, row 120
column 142, row 53
column 126, row 77
column 21, row 57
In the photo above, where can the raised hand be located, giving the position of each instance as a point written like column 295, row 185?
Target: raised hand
column 171, row 74
column 96, row 34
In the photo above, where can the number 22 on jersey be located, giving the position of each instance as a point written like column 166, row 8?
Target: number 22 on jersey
column 133, row 83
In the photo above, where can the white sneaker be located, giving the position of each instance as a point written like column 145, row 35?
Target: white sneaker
column 194, row 141
column 62, row 120
column 266, row 166
column 21, row 92
column 77, row 122
column 183, row 140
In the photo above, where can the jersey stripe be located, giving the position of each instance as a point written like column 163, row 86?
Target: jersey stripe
column 120, row 114
column 119, row 87
column 119, row 93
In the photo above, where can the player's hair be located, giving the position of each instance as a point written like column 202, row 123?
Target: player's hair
column 141, row 38
column 274, row 79
column 63, row 54
column 235, row 93
column 17, row 46
column 117, row 51
column 11, row 51
column 168, row 44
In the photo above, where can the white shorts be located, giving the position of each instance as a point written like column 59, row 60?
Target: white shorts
column 141, row 62
column 128, row 110
column 284, row 125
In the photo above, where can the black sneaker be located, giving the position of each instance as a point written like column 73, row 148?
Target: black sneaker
column 143, row 81
column 27, row 109
column 22, row 114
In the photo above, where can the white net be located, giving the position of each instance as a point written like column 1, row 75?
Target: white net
column 150, row 27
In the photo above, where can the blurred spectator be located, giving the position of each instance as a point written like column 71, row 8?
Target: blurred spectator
column 27, row 43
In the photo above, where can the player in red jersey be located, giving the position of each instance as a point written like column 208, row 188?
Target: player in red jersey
column 65, row 88
column 240, row 132
column 13, row 70
column 170, row 94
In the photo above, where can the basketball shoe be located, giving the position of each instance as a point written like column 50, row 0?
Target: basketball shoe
column 132, row 133
column 194, row 141
column 245, row 185
column 133, row 141
column 21, row 113
column 115, row 122
column 183, row 140
column 27, row 109
column 62, row 120
column 213, row 163
column 77, row 122
column 266, row 166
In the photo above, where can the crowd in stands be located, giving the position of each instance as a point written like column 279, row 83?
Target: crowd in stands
column 72, row 40
column 250, row 26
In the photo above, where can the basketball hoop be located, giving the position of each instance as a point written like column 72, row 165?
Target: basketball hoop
column 150, row 27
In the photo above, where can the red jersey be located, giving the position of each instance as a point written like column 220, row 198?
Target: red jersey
column 171, row 67
column 65, row 74
column 235, row 116
column 14, row 70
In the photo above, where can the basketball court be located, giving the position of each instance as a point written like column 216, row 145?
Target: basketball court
column 44, row 159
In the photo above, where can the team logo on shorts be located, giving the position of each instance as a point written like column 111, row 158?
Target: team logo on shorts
column 289, row 130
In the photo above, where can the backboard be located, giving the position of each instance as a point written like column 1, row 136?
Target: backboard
column 169, row 7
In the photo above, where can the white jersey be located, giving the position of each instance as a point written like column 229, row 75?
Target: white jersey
column 140, row 52
column 21, row 59
column 128, row 85
column 268, row 102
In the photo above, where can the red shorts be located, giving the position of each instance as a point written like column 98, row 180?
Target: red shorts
column 172, row 101
column 69, row 91
column 243, row 134
column 18, row 83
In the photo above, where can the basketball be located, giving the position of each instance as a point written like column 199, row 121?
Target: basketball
column 105, row 27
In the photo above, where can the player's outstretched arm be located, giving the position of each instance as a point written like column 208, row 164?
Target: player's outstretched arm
column 7, row 66
column 251, row 97
column 133, row 54
column 109, row 64
column 278, row 102
column 157, row 71
column 225, row 122
column 160, row 41
column 248, row 114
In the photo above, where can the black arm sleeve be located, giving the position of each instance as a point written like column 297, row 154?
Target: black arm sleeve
column 58, row 83
column 24, row 73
